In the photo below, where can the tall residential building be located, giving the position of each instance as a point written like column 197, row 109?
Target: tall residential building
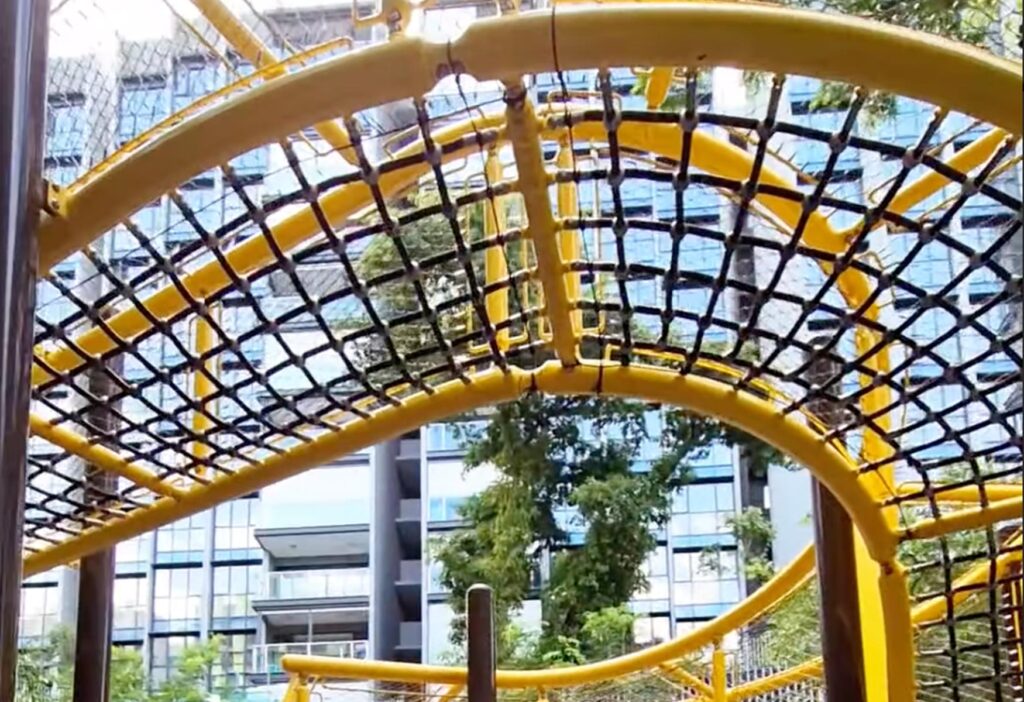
column 335, row 561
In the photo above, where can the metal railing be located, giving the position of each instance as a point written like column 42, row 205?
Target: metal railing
column 307, row 584
column 265, row 659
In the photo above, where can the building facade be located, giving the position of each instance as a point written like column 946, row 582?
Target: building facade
column 336, row 561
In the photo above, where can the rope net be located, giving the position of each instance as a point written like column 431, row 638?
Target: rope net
column 850, row 267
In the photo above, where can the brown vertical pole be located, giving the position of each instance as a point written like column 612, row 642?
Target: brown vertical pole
column 22, row 101
column 841, row 646
column 480, row 644
column 96, row 572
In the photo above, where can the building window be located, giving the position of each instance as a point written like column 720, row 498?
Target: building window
column 66, row 122
column 700, row 515
column 194, row 77
column 229, row 670
column 648, row 631
column 655, row 569
column 134, row 555
column 131, row 596
column 451, row 436
column 177, row 599
column 201, row 198
column 167, row 651
column 235, row 528
column 182, row 542
column 144, row 102
column 705, row 583
column 40, row 612
column 233, row 588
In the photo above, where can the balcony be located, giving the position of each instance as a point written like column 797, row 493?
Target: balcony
column 336, row 595
column 334, row 583
column 265, row 660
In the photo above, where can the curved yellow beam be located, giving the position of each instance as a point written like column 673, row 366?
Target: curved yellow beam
column 245, row 42
column 693, row 34
column 967, row 494
column 709, row 154
column 935, row 608
column 781, row 585
column 970, row 518
column 927, row 611
column 101, row 457
column 702, row 395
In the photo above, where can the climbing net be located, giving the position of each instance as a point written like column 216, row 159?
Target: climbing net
column 793, row 257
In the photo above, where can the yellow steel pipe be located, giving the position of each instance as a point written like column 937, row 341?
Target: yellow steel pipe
column 762, row 686
column 966, row 494
column 659, row 82
column 719, row 684
column 780, row 586
column 708, row 153
column 767, row 38
column 203, row 387
column 686, row 678
column 245, row 42
column 569, row 239
column 101, row 457
column 495, row 260
column 924, row 612
column 541, row 229
column 965, row 519
column 966, row 159
column 701, row 395
column 935, row 608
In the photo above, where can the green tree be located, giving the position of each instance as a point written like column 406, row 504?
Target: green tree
column 567, row 486
column 46, row 671
column 188, row 681
column 989, row 24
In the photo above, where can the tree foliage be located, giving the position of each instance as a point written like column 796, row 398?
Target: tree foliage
column 568, row 486
column 990, row 24
column 46, row 672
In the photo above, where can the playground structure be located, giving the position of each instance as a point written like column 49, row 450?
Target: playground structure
column 545, row 296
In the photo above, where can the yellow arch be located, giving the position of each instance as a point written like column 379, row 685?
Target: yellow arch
column 691, row 34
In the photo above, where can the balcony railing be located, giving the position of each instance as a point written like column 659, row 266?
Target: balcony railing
column 311, row 584
column 266, row 658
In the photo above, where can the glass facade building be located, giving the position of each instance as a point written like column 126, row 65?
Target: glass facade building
column 334, row 561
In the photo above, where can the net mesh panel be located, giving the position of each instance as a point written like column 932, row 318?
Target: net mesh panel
column 679, row 267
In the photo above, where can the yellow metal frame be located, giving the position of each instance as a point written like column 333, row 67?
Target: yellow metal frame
column 744, row 35
column 750, row 36
column 662, row 656
column 524, row 133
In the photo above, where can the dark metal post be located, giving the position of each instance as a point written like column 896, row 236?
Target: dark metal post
column 841, row 645
column 96, row 572
column 22, row 100
column 480, row 645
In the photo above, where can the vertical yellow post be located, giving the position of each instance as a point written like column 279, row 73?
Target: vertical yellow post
column 297, row 691
column 495, row 262
column 659, row 81
column 719, row 684
column 523, row 131
column 569, row 243
column 202, row 387
column 881, row 588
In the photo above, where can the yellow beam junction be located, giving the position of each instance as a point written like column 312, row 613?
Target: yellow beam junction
column 541, row 229
column 245, row 42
